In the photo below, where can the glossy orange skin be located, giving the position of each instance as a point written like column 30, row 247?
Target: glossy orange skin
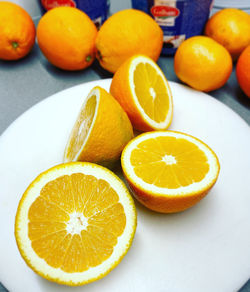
column 202, row 63
column 166, row 204
column 17, row 31
column 231, row 28
column 127, row 33
column 66, row 36
column 243, row 71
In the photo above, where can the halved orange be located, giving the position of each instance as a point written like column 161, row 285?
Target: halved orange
column 75, row 223
column 101, row 130
column 169, row 171
column 144, row 93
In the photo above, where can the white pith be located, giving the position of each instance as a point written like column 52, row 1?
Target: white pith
column 194, row 187
column 152, row 92
column 95, row 92
column 164, row 124
column 76, row 223
column 169, row 159
column 123, row 241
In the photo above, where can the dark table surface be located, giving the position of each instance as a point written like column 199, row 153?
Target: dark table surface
column 26, row 82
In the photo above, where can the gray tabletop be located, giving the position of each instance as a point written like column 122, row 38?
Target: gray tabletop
column 26, row 82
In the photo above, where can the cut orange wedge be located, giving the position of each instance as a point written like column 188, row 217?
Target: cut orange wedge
column 75, row 223
column 101, row 131
column 144, row 93
column 169, row 171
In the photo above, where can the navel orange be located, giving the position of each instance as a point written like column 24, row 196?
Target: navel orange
column 75, row 223
column 169, row 171
column 17, row 31
column 66, row 36
column 126, row 33
column 202, row 63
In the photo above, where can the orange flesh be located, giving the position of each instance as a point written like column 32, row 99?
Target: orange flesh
column 81, row 127
column 99, row 221
column 169, row 162
column 150, row 91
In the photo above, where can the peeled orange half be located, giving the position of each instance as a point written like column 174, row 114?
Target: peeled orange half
column 143, row 91
column 169, row 171
column 101, row 130
column 75, row 223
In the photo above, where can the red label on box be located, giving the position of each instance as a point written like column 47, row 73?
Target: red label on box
column 164, row 11
column 49, row 4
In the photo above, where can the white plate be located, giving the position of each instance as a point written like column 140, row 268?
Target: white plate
column 206, row 248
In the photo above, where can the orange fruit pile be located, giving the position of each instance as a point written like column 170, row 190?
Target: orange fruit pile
column 126, row 33
column 66, row 36
column 17, row 31
column 202, row 63
column 75, row 223
column 231, row 28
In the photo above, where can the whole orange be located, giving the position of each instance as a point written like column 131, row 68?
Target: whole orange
column 66, row 36
column 202, row 63
column 127, row 33
column 231, row 28
column 17, row 31
column 243, row 71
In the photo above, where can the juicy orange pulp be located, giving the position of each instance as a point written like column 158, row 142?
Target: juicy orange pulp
column 183, row 165
column 101, row 130
column 80, row 131
column 169, row 171
column 75, row 221
column 143, row 91
column 149, row 89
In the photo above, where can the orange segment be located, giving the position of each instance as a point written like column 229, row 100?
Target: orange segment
column 143, row 91
column 58, row 192
column 75, row 259
column 52, row 244
column 42, row 210
column 73, row 218
column 37, row 230
column 94, row 205
column 169, row 171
